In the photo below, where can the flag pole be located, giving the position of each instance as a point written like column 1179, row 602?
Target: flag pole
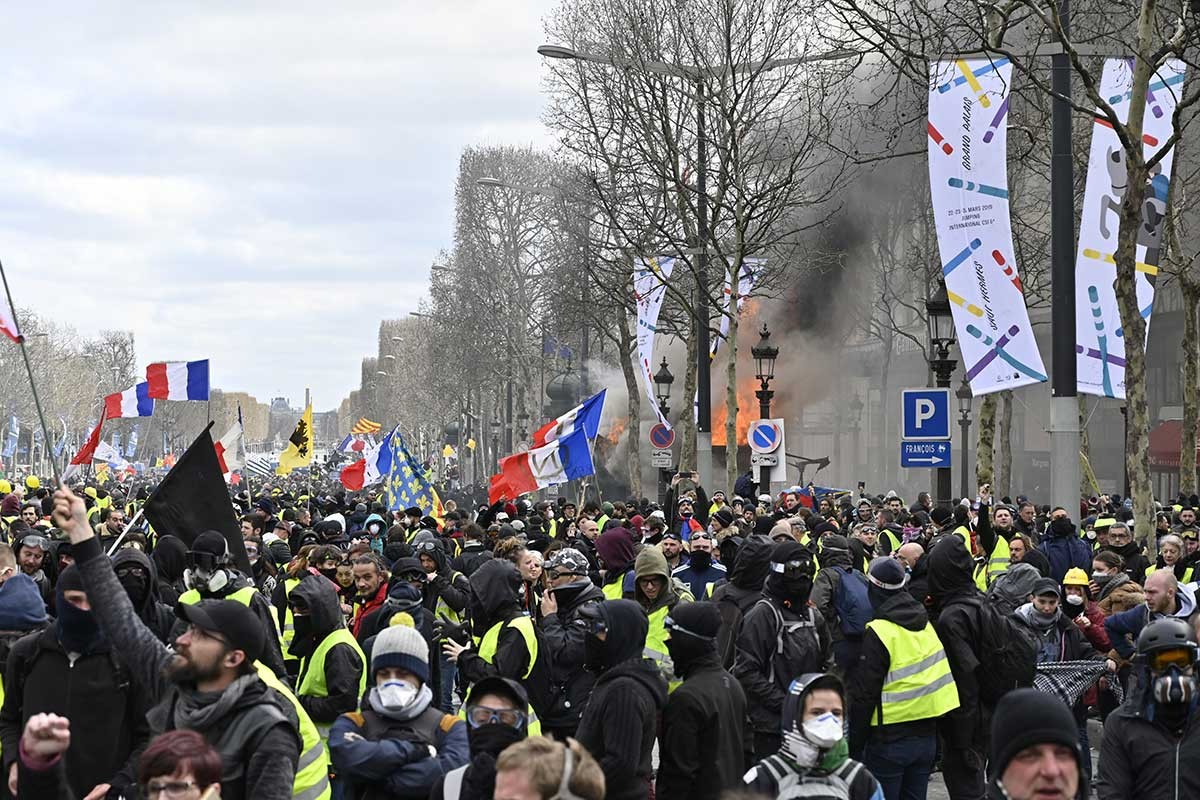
column 29, row 369
column 128, row 527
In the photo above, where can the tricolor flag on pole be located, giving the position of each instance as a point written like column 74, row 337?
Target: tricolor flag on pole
column 585, row 416
column 230, row 449
column 564, row 459
column 133, row 402
column 178, row 380
column 84, row 456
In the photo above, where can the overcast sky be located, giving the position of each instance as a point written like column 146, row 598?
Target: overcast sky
column 255, row 183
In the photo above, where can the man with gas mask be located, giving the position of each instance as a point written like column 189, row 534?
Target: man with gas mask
column 782, row 636
column 497, row 711
column 139, row 579
column 1152, row 742
column 569, row 591
column 211, row 575
column 701, row 750
column 618, row 725
column 813, row 751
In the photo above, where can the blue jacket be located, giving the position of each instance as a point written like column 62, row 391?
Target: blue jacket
column 1130, row 623
column 697, row 580
column 1065, row 552
column 401, row 768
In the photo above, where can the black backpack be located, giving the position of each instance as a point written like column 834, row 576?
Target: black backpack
column 853, row 603
column 1007, row 654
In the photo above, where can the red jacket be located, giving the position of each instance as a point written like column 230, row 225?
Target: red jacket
column 361, row 610
column 1097, row 636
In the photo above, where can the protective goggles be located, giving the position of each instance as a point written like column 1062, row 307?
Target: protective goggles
column 1161, row 660
column 793, row 569
column 426, row 547
column 127, row 570
column 593, row 626
column 478, row 716
column 35, row 541
column 674, row 627
column 866, row 529
column 202, row 560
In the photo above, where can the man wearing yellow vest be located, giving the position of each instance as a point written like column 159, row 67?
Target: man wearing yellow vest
column 657, row 594
column 900, row 687
column 332, row 668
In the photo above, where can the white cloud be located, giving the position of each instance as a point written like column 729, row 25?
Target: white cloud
column 259, row 184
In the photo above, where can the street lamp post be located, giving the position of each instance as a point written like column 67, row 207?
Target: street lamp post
column 854, row 420
column 965, row 398
column 662, row 392
column 941, row 339
column 496, row 440
column 764, row 354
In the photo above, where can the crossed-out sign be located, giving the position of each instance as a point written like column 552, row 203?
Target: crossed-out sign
column 764, row 435
column 662, row 437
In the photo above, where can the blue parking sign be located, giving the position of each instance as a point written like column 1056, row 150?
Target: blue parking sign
column 925, row 414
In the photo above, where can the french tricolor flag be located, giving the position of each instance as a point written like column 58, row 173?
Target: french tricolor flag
column 178, row 380
column 585, row 417
column 564, row 459
column 133, row 402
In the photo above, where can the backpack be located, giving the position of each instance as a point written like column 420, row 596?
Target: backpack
column 1008, row 651
column 852, row 603
column 783, row 626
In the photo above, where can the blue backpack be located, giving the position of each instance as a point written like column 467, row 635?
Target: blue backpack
column 852, row 602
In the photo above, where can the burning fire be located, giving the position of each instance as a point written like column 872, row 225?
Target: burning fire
column 747, row 411
column 617, row 429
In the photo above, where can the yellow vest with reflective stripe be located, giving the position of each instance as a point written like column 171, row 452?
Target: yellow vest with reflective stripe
column 289, row 622
column 891, row 537
column 243, row 596
column 442, row 607
column 655, row 648
column 997, row 562
column 487, row 651
column 312, row 771
column 919, row 683
column 1187, row 573
column 313, row 683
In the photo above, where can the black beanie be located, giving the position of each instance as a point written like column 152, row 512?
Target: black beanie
column 701, row 618
column 789, row 551
column 941, row 515
column 1028, row 717
column 70, row 579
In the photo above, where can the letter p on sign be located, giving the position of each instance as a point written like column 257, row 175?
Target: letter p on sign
column 926, row 414
column 925, row 411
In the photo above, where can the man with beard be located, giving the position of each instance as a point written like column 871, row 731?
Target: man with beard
column 497, row 711
column 782, row 637
column 570, row 590
column 30, row 550
column 70, row 669
column 618, row 726
column 1121, row 542
column 138, row 577
column 701, row 751
column 370, row 584
column 209, row 684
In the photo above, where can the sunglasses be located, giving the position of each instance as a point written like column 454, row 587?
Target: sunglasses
column 555, row 575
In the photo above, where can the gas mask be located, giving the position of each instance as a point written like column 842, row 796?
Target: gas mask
column 204, row 572
column 1173, row 687
column 1074, row 600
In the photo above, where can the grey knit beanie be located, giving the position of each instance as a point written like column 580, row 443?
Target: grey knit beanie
column 401, row 646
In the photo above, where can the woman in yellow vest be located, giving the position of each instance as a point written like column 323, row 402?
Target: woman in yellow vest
column 899, row 688
column 1170, row 555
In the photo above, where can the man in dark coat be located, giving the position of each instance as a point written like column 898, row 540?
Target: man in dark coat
column 139, row 578
column 570, row 590
column 618, row 727
column 701, row 752
column 735, row 597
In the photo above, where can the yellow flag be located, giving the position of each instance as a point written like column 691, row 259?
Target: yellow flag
column 448, row 451
column 470, row 444
column 299, row 452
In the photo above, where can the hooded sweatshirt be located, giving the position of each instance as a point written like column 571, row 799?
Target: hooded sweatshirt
column 170, row 558
column 343, row 665
column 957, row 601
column 652, row 562
column 618, row 726
column 158, row 616
column 739, row 594
column 615, row 548
column 834, row 557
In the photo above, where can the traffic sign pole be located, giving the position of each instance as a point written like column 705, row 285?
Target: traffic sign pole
column 925, row 420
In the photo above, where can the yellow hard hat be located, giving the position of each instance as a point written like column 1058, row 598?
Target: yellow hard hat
column 90, row 491
column 5, row 486
column 32, row 483
column 1075, row 577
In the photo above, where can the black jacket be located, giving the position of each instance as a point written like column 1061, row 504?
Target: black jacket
column 343, row 665
column 473, row 555
column 734, row 597
column 1136, row 562
column 454, row 589
column 566, row 649
column 170, row 558
column 618, row 726
column 957, row 602
column 94, row 691
column 272, row 657
column 701, row 752
column 158, row 616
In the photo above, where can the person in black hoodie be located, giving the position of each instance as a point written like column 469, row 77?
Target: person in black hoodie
column 701, row 751
column 618, row 726
column 737, row 595
column 170, row 559
column 477, row 779
column 139, row 579
column 570, row 590
column 322, row 643
column 957, row 603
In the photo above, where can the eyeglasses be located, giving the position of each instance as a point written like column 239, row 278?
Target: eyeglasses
column 1181, row 657
column 169, row 789
column 478, row 716
column 131, row 570
column 793, row 569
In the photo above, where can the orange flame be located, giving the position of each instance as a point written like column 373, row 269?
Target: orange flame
column 747, row 411
column 617, row 429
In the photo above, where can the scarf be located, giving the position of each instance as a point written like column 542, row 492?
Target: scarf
column 199, row 711
column 411, row 711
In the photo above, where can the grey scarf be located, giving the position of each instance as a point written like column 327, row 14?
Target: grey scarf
column 199, row 711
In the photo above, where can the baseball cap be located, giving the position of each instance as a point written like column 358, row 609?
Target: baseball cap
column 1046, row 586
column 230, row 620
column 568, row 560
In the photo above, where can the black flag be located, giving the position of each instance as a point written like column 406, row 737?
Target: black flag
column 193, row 499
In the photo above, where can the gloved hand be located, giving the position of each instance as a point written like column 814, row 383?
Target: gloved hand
column 446, row 628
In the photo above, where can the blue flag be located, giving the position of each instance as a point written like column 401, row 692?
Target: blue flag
column 406, row 483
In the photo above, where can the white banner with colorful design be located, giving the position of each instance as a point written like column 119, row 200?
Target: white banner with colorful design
column 968, row 134
column 1099, row 337
column 649, row 287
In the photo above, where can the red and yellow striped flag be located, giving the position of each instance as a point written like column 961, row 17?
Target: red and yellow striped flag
column 365, row 425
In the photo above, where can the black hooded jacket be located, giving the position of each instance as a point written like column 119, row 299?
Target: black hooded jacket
column 837, row 553
column 159, row 617
column 495, row 589
column 957, row 602
column 736, row 596
column 170, row 559
column 566, row 649
column 343, row 665
column 447, row 584
column 618, row 726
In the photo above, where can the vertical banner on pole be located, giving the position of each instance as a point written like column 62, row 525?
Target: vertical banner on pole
column 968, row 180
column 649, row 287
column 1099, row 337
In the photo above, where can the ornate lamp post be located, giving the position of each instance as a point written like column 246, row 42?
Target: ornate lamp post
column 965, row 399
column 941, row 339
column 764, row 354
column 662, row 392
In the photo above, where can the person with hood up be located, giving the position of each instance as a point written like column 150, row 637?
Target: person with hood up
column 658, row 594
column 738, row 594
column 569, row 590
column 497, row 711
column 506, row 641
column 71, row 669
column 1165, row 597
column 782, row 636
column 332, row 673
column 615, row 549
column 1064, row 549
column 400, row 744
column 813, row 759
column 170, row 559
column 404, row 596
column 957, row 603
column 1034, row 752
column 1121, row 542
column 21, row 608
column 618, row 725
column 900, row 687
column 474, row 550
column 701, row 750
column 138, row 577
column 445, row 595
column 835, row 559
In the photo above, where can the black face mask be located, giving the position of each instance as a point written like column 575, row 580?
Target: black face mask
column 302, row 642
column 136, row 586
column 493, row 738
column 593, row 654
column 331, row 574
column 701, row 560
column 77, row 629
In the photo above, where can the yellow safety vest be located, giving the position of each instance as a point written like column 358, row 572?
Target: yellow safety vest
column 997, row 563
column 655, row 647
column 552, row 528
column 614, row 590
column 312, row 770
column 891, row 537
column 442, row 607
column 600, row 521
column 487, row 651
column 313, row 670
column 1187, row 573
column 919, row 683
column 243, row 596
column 289, row 623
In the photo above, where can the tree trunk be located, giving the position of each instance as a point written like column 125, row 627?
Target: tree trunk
column 985, row 449
column 1004, row 455
column 687, row 414
column 1191, row 387
column 1085, row 451
column 634, row 389
column 731, row 398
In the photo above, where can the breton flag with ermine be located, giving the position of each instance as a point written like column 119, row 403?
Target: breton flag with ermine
column 585, row 416
column 178, row 380
column 133, row 402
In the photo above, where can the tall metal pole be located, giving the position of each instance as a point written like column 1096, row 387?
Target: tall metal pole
column 764, row 412
column 964, row 420
column 943, row 480
column 1064, row 411
column 703, row 384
